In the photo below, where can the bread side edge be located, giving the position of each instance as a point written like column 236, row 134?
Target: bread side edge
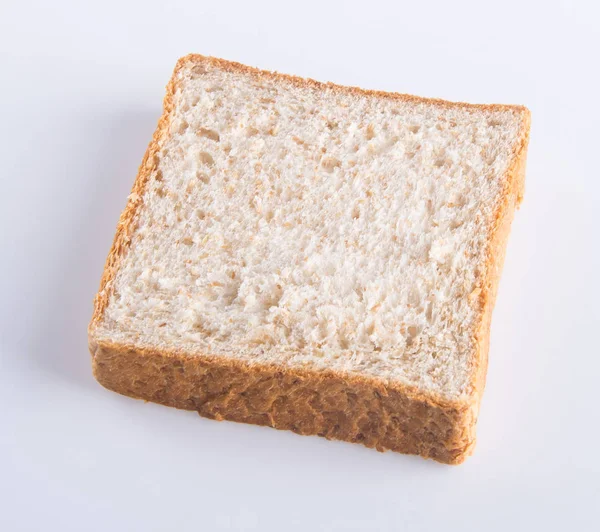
column 126, row 224
column 232, row 66
column 347, row 407
column 497, row 244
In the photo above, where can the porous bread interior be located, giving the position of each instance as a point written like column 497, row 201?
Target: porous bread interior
column 304, row 225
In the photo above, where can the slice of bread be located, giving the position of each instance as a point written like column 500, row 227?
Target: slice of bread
column 313, row 257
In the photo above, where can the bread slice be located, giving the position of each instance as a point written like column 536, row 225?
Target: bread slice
column 313, row 257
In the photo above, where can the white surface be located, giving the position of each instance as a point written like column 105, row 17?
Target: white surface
column 81, row 91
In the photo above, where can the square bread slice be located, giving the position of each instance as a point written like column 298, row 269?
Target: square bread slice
column 313, row 257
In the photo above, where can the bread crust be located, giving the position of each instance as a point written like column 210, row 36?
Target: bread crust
column 333, row 404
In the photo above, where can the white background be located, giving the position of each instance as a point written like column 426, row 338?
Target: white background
column 81, row 86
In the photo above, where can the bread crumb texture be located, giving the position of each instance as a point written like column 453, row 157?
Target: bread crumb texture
column 312, row 226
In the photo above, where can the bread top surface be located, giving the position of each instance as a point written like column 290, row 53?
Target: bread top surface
column 291, row 222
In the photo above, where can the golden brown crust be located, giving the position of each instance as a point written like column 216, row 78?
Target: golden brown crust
column 348, row 407
column 126, row 225
column 231, row 66
column 490, row 279
column 325, row 403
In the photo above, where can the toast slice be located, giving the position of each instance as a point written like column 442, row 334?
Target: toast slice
column 313, row 257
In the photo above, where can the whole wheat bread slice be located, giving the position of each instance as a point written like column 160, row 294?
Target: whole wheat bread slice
column 313, row 257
